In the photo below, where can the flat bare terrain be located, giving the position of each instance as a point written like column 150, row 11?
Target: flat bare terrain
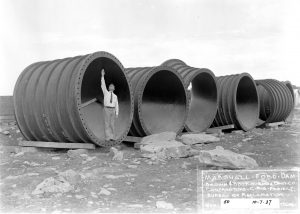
column 133, row 184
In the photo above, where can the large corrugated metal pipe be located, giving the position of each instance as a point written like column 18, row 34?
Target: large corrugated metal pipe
column 160, row 100
column 290, row 118
column 60, row 100
column 238, row 101
column 203, row 95
column 290, row 87
column 276, row 100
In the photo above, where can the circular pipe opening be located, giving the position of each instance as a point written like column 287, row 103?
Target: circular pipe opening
column 247, row 106
column 265, row 103
column 203, row 102
column 92, row 114
column 290, row 87
column 163, row 105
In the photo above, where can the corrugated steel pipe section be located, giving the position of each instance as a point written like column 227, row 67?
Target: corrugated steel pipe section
column 290, row 87
column 276, row 101
column 160, row 100
column 238, row 101
column 55, row 100
column 203, row 96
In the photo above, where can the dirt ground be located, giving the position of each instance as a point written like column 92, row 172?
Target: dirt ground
column 134, row 184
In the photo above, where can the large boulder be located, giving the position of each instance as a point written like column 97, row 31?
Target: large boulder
column 165, row 150
column 191, row 139
column 226, row 159
column 164, row 136
column 53, row 185
column 71, row 176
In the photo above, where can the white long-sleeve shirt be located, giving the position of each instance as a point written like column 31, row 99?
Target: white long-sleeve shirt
column 107, row 95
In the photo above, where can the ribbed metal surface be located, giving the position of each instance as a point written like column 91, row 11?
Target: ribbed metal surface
column 238, row 101
column 48, row 97
column 203, row 96
column 290, row 87
column 160, row 100
column 290, row 118
column 276, row 101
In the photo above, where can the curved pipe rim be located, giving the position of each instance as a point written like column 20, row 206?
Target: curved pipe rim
column 153, row 71
column 179, row 61
column 77, row 91
column 241, row 124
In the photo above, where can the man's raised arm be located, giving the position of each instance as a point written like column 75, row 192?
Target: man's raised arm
column 103, row 85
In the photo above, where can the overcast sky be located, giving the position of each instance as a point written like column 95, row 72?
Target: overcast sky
column 260, row 37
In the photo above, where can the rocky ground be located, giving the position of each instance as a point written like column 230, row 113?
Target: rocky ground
column 92, row 181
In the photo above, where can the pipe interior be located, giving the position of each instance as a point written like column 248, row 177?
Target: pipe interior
column 91, row 88
column 203, row 102
column 163, row 105
column 265, row 103
column 290, row 87
column 247, row 103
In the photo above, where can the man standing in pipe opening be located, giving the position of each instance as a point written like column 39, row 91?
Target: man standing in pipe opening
column 111, row 108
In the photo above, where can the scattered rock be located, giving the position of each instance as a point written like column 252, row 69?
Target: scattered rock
column 164, row 205
column 112, row 189
column 80, row 196
column 164, row 136
column 119, row 176
column 149, row 162
column 74, row 153
column 53, row 185
column 90, row 158
column 237, row 132
column 19, row 154
column 194, row 152
column 5, row 132
column 94, row 195
column 32, row 174
column 136, row 162
column 112, row 176
column 135, row 206
column 185, row 165
column 104, row 192
column 249, row 153
column 238, row 145
column 55, row 158
column 117, row 155
column 13, row 176
column 132, row 166
column 226, row 159
column 83, row 155
column 191, row 139
column 221, row 134
column 247, row 139
column 31, row 163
